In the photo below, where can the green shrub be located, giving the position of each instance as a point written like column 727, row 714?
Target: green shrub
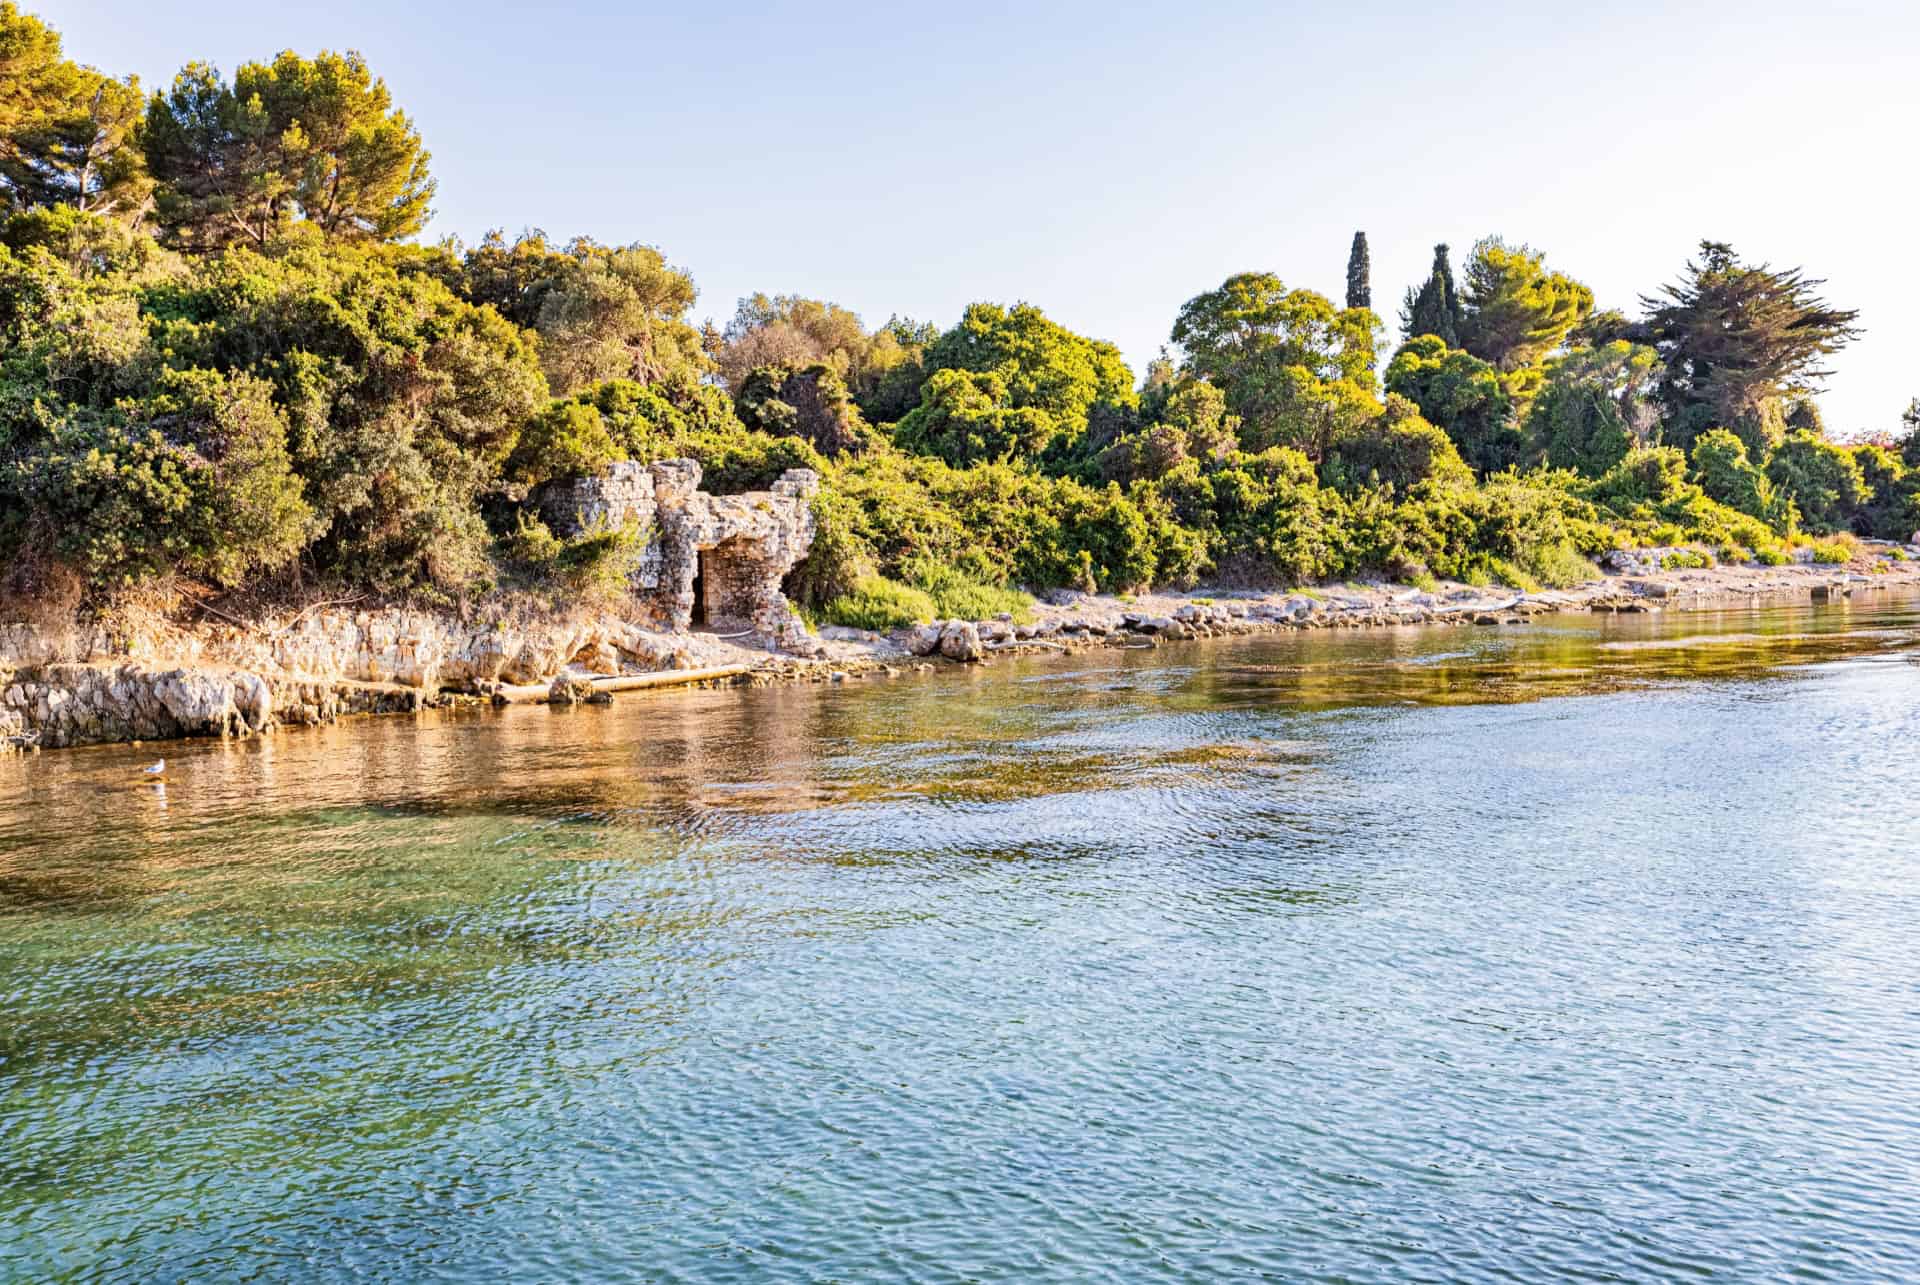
column 602, row 560
column 879, row 603
column 957, row 597
column 1833, row 552
column 1823, row 480
column 1685, row 559
column 1560, row 566
column 1721, row 467
column 597, row 563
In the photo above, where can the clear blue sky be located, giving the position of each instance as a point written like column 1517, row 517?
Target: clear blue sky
column 1108, row 162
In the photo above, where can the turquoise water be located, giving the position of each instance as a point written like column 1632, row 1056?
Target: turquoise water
column 1586, row 950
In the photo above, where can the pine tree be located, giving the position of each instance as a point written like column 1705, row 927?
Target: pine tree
column 1359, row 272
column 1435, row 308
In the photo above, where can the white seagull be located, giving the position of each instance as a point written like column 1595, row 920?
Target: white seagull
column 157, row 768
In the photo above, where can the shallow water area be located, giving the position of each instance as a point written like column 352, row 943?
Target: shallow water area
column 1578, row 949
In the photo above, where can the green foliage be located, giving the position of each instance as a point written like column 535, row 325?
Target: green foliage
column 810, row 403
column 318, row 138
column 966, row 418
column 397, row 402
column 1654, row 475
column 192, row 478
column 568, row 439
column 601, row 312
column 1649, row 494
column 878, row 603
column 1736, row 340
column 1464, row 396
column 1513, row 311
column 1891, row 510
column 1048, row 380
column 1434, row 309
column 596, row 564
column 303, row 397
column 1683, row 559
column 66, row 131
column 1398, row 450
column 1594, row 406
column 1822, row 480
column 1359, row 273
column 959, row 597
column 1724, row 472
column 881, row 372
column 531, row 542
column 1293, row 369
column 1833, row 552
column 624, row 420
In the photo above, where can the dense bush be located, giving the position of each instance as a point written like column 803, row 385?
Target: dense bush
column 1721, row 466
column 1464, row 396
column 1594, row 406
column 875, row 602
column 1823, row 481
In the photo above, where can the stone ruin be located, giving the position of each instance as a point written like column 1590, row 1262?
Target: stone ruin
column 712, row 562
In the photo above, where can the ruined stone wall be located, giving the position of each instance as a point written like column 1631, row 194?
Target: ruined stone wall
column 750, row 541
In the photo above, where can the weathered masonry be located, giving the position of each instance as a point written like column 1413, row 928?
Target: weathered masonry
column 712, row 561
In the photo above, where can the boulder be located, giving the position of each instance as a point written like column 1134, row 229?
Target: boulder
column 924, row 640
column 961, row 641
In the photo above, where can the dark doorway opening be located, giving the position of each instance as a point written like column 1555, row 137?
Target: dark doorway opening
column 699, row 617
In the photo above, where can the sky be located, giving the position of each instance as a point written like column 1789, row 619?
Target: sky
column 1108, row 162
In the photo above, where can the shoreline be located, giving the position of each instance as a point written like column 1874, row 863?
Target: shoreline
column 177, row 682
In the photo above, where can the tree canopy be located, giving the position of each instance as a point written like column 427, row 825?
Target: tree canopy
column 318, row 139
column 1294, row 369
column 1737, row 339
column 601, row 312
column 1359, row 274
column 1463, row 396
column 65, row 130
column 1434, row 308
column 226, row 365
column 1513, row 311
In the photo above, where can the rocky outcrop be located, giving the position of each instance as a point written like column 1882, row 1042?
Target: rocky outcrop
column 79, row 704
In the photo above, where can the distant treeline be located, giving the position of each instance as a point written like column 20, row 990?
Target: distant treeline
column 224, row 365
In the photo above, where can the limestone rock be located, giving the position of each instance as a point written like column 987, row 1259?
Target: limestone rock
column 961, row 641
column 924, row 640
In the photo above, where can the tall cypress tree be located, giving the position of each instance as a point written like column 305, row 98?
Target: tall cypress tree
column 1359, row 272
column 1435, row 308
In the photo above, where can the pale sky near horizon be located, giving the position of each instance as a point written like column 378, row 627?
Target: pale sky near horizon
column 1108, row 162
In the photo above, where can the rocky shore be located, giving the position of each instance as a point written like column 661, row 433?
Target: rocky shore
column 227, row 677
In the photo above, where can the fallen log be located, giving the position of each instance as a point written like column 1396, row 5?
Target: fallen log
column 665, row 678
column 540, row 693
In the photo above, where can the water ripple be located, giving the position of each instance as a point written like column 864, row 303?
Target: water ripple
column 1582, row 951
